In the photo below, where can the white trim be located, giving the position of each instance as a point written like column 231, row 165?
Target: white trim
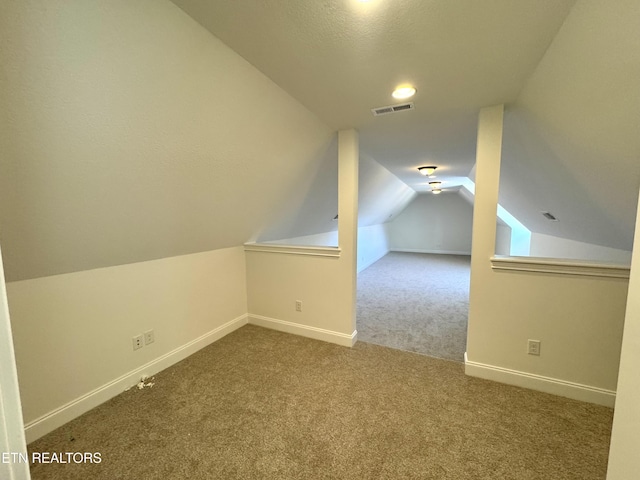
column 58, row 417
column 316, row 333
column 560, row 267
column 440, row 252
column 293, row 249
column 12, row 438
column 554, row 386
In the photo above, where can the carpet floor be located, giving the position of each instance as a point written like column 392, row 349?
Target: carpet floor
column 260, row 404
column 416, row 302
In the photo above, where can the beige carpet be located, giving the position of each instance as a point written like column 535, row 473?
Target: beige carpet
column 260, row 404
column 416, row 302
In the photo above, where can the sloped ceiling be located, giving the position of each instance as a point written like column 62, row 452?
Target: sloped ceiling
column 130, row 133
column 572, row 138
column 567, row 71
column 381, row 197
column 341, row 58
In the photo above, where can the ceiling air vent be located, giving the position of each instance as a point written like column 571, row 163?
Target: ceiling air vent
column 392, row 109
column 549, row 216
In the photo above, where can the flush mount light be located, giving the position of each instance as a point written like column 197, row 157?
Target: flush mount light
column 404, row 91
column 427, row 171
column 435, row 187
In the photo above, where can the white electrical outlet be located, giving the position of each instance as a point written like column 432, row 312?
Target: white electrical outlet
column 137, row 342
column 533, row 347
column 149, row 337
column 298, row 306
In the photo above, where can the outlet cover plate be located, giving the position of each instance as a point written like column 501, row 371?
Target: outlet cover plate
column 138, row 342
column 533, row 347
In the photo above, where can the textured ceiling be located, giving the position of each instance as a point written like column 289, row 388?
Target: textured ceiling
column 131, row 133
column 568, row 72
column 341, row 58
column 578, row 122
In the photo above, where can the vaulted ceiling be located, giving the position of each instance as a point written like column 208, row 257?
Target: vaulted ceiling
column 567, row 71
column 140, row 130
column 341, row 58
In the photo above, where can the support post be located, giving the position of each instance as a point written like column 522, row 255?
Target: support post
column 348, row 159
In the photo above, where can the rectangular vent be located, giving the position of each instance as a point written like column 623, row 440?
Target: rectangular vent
column 549, row 216
column 392, row 109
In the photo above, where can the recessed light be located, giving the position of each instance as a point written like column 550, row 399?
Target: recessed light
column 403, row 92
column 436, row 191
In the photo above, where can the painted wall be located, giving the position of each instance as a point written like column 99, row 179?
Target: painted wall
column 555, row 247
column 503, row 240
column 382, row 195
column 275, row 281
column 307, row 222
column 578, row 319
column 327, row 239
column 433, row 224
column 130, row 133
column 73, row 332
column 12, row 437
column 576, row 118
column 325, row 283
column 373, row 244
column 624, row 462
column 127, row 184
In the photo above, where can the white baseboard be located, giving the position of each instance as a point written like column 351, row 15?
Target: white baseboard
column 330, row 336
column 440, row 252
column 554, row 386
column 58, row 417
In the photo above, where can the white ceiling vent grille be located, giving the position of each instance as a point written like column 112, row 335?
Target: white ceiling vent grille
column 392, row 109
column 549, row 216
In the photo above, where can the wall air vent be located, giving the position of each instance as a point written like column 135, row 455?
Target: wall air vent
column 392, row 109
column 549, row 216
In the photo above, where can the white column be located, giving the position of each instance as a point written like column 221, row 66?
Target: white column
column 624, row 461
column 12, row 439
column 348, row 159
column 485, row 207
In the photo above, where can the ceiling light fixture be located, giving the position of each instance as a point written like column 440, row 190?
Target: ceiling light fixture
column 403, row 92
column 435, row 187
column 427, row 171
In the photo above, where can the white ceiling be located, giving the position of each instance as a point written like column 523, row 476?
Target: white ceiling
column 567, row 70
column 341, row 58
column 132, row 133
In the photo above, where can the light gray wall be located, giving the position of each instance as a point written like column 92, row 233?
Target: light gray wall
column 130, row 133
column 433, row 223
column 571, row 142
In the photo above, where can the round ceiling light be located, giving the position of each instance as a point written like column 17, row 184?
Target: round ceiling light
column 403, row 92
column 427, row 171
